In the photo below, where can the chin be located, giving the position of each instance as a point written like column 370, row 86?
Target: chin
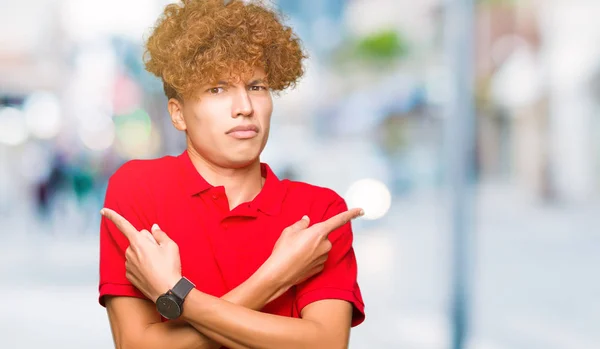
column 241, row 162
column 240, row 156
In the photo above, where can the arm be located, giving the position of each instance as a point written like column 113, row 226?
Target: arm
column 153, row 266
column 135, row 322
column 324, row 324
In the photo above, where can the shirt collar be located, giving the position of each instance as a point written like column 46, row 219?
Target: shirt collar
column 270, row 198
column 268, row 201
column 192, row 180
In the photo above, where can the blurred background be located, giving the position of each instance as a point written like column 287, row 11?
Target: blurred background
column 370, row 120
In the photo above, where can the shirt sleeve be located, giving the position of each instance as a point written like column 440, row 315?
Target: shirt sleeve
column 122, row 197
column 338, row 280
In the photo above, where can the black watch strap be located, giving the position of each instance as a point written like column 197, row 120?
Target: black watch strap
column 182, row 288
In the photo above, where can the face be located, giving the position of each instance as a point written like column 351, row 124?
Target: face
column 228, row 124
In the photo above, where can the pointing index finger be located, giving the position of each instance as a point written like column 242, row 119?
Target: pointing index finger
column 122, row 224
column 339, row 220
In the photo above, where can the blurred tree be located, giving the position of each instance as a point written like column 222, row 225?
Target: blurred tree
column 379, row 48
column 384, row 45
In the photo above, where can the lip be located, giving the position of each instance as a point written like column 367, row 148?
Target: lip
column 243, row 131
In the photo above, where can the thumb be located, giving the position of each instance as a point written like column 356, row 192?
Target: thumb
column 301, row 224
column 160, row 236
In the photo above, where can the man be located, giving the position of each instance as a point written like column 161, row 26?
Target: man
column 210, row 248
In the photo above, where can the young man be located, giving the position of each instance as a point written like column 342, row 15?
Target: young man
column 210, row 248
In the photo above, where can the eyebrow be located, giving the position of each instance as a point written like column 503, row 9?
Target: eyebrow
column 256, row 81
column 253, row 82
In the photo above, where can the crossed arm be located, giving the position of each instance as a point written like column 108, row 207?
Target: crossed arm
column 234, row 320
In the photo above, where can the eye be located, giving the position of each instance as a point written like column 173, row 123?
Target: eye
column 257, row 88
column 215, row 90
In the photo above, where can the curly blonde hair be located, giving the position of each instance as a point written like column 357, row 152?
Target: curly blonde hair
column 198, row 42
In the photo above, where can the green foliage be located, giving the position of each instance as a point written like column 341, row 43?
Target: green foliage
column 379, row 49
column 382, row 45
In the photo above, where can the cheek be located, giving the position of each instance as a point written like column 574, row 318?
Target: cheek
column 264, row 110
column 270, row 105
column 267, row 131
column 197, row 127
column 204, row 121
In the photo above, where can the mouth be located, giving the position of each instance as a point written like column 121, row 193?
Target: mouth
column 243, row 132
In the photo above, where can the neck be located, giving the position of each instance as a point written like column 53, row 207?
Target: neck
column 241, row 184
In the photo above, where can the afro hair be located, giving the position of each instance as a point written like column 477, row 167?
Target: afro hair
column 198, row 42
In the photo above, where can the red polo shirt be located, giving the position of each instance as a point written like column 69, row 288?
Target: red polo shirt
column 221, row 248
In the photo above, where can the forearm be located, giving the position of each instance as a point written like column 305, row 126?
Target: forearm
column 239, row 327
column 254, row 293
column 174, row 335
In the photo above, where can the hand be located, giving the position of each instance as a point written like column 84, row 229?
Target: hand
column 301, row 252
column 153, row 264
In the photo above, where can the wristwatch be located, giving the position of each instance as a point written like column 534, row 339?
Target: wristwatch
column 170, row 304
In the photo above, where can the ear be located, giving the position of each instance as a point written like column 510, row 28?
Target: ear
column 176, row 111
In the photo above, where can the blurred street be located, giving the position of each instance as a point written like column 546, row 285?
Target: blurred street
column 535, row 274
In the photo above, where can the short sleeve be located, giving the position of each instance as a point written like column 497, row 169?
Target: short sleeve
column 338, row 280
column 122, row 197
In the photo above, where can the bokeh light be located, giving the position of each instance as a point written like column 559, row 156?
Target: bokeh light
column 133, row 133
column 13, row 129
column 97, row 133
column 127, row 95
column 371, row 195
column 43, row 115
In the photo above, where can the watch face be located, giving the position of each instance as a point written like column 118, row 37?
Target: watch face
column 168, row 307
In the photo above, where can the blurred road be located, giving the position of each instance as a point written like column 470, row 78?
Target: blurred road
column 533, row 280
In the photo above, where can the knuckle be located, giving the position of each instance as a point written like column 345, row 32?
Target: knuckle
column 133, row 239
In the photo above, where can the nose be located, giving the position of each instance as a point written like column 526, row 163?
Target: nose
column 241, row 104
